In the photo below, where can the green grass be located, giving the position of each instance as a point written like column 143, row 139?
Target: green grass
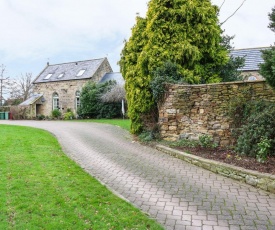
column 41, row 188
column 125, row 124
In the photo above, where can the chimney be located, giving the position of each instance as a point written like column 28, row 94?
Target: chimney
column 48, row 63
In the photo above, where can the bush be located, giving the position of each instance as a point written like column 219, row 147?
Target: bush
column 267, row 68
column 206, row 141
column 257, row 128
column 185, row 143
column 40, row 117
column 69, row 115
column 91, row 104
column 56, row 113
column 168, row 73
column 263, row 148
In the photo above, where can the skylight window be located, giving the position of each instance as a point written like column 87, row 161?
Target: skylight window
column 48, row 76
column 81, row 72
column 60, row 75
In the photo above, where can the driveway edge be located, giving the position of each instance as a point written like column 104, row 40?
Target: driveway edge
column 263, row 181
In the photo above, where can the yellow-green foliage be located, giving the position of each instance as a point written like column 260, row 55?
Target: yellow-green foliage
column 185, row 32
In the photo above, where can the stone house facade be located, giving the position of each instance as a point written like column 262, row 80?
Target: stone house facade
column 59, row 85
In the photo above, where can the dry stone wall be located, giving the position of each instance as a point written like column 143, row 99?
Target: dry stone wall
column 193, row 110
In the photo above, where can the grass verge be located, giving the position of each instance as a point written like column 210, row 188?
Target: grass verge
column 123, row 123
column 41, row 188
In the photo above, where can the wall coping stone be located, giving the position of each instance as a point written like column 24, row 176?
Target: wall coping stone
column 220, row 83
column 263, row 181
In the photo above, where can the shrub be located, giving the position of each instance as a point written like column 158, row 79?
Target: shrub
column 185, row 143
column 168, row 73
column 206, row 141
column 56, row 113
column 69, row 115
column 92, row 105
column 263, row 148
column 40, row 117
column 258, row 125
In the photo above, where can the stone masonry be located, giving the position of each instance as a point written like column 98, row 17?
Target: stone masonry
column 193, row 110
column 66, row 91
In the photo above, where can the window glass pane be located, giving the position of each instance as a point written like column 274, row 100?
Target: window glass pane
column 77, row 100
column 55, row 101
column 81, row 72
column 48, row 76
column 60, row 75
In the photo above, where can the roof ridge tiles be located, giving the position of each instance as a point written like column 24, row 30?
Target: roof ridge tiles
column 94, row 59
column 253, row 48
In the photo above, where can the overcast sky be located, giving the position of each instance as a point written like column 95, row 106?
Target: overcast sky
column 35, row 32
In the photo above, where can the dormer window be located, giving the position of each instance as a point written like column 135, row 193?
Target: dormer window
column 60, row 75
column 48, row 76
column 81, row 72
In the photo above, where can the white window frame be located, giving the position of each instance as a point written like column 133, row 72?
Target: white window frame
column 55, row 101
column 77, row 100
column 48, row 76
column 60, row 75
column 81, row 72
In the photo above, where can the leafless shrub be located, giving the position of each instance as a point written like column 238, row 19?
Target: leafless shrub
column 116, row 94
column 19, row 112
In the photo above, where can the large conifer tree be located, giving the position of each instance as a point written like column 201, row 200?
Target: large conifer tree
column 267, row 69
column 185, row 32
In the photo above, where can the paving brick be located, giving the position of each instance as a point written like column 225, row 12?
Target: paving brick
column 177, row 194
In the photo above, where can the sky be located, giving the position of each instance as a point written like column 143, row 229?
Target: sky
column 57, row 31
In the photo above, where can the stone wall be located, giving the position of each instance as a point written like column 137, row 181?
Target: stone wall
column 193, row 110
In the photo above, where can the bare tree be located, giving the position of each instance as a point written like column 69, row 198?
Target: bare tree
column 116, row 94
column 233, row 12
column 4, row 83
column 22, row 88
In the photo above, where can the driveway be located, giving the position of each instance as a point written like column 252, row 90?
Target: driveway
column 175, row 193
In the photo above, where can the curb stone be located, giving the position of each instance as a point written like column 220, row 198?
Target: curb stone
column 263, row 181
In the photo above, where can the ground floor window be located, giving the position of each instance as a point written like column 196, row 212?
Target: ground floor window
column 77, row 100
column 55, row 101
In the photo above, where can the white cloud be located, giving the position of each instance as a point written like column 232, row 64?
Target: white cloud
column 67, row 30
column 249, row 24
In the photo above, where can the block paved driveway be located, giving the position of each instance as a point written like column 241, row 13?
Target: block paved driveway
column 175, row 193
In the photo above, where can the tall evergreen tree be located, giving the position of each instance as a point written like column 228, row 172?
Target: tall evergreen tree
column 267, row 69
column 185, row 32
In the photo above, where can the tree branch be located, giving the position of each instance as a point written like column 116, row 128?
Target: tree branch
column 222, row 4
column 233, row 13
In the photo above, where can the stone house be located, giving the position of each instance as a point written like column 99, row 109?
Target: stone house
column 58, row 86
column 253, row 58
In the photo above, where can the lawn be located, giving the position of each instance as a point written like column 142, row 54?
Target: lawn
column 41, row 188
column 123, row 123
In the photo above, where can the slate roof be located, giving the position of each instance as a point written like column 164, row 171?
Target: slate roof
column 253, row 57
column 70, row 71
column 113, row 76
column 32, row 99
